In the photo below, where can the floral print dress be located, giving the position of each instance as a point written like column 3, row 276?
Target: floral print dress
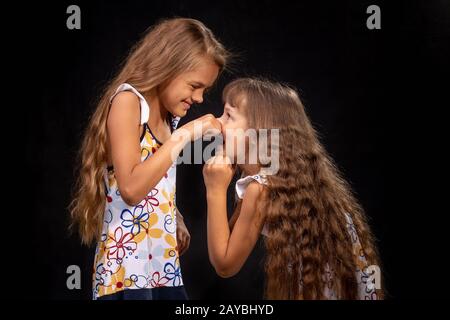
column 138, row 246
column 366, row 289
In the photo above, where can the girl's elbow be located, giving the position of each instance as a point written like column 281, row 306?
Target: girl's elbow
column 225, row 272
column 130, row 201
column 129, row 196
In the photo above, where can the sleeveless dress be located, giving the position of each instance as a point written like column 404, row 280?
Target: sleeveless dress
column 138, row 246
column 366, row 290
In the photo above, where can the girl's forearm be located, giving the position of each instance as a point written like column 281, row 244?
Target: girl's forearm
column 233, row 219
column 218, row 229
column 145, row 175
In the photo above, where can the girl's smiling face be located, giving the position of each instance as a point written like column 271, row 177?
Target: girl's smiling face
column 234, row 125
column 188, row 88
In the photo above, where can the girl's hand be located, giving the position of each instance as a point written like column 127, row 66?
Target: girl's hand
column 204, row 125
column 183, row 235
column 218, row 173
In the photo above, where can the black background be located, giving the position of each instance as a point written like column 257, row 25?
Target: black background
column 374, row 96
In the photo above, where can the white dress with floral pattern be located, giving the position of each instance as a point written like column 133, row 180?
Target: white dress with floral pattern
column 138, row 246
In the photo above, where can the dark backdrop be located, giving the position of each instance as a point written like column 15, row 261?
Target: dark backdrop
column 368, row 93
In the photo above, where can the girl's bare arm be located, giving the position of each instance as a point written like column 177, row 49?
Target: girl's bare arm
column 135, row 178
column 228, row 250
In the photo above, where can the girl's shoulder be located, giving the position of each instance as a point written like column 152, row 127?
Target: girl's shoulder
column 125, row 98
column 252, row 187
column 128, row 90
column 243, row 184
column 124, row 105
column 129, row 97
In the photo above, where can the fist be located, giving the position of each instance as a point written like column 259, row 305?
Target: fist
column 218, row 173
column 206, row 125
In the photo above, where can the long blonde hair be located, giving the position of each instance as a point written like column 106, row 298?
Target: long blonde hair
column 167, row 49
column 305, row 202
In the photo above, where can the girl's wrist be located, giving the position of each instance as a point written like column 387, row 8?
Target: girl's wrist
column 182, row 135
column 214, row 192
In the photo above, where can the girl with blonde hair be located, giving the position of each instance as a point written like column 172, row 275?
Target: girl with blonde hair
column 125, row 192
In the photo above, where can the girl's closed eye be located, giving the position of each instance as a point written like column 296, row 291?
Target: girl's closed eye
column 227, row 116
column 196, row 86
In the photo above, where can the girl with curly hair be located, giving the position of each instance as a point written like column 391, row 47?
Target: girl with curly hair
column 317, row 239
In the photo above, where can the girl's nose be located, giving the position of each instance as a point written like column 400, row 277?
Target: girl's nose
column 222, row 124
column 197, row 98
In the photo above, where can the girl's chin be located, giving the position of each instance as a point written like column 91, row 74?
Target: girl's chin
column 179, row 112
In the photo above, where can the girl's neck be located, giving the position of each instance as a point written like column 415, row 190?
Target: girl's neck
column 249, row 169
column 158, row 113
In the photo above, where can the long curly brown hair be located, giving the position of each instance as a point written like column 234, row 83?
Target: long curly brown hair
column 305, row 202
column 167, row 49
